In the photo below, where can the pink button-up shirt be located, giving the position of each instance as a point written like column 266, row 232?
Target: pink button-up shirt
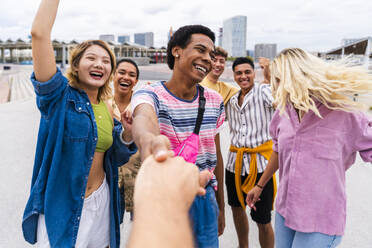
column 314, row 155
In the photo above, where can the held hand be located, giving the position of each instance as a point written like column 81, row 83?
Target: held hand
column 158, row 146
column 253, row 197
column 173, row 182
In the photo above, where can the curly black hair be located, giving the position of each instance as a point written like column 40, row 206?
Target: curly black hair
column 182, row 38
column 242, row 60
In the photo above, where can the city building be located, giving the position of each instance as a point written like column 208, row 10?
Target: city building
column 250, row 53
column 234, row 36
column 123, row 38
column 265, row 50
column 220, row 35
column 144, row 39
column 107, row 37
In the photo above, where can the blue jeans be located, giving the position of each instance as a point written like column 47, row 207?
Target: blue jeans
column 204, row 220
column 286, row 237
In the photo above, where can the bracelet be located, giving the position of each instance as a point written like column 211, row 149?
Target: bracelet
column 261, row 187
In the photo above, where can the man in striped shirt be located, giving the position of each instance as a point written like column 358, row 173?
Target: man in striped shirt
column 249, row 113
column 165, row 115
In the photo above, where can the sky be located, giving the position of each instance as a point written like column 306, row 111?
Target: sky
column 314, row 25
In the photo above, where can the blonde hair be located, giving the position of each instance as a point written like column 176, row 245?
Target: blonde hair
column 299, row 78
column 105, row 92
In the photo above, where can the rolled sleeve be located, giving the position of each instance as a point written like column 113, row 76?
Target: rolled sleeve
column 274, row 130
column 48, row 93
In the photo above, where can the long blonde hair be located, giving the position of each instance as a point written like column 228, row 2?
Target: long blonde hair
column 299, row 78
column 105, row 92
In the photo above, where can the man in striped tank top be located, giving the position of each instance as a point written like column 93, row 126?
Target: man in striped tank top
column 165, row 115
column 249, row 113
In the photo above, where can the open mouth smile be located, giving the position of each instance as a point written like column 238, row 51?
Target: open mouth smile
column 96, row 75
column 201, row 68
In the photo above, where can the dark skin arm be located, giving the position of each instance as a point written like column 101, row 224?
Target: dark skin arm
column 219, row 172
column 146, row 134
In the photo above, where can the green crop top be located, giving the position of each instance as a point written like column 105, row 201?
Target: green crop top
column 104, row 126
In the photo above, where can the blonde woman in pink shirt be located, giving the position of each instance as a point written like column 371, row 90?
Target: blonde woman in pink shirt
column 316, row 130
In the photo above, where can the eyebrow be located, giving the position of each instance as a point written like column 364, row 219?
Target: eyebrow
column 91, row 53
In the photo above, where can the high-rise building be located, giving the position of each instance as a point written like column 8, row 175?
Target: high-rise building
column 265, row 50
column 220, row 35
column 235, row 36
column 144, row 39
column 107, row 37
column 123, row 38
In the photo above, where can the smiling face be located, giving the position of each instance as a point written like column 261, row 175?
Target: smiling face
column 195, row 60
column 125, row 78
column 94, row 68
column 218, row 66
column 244, row 76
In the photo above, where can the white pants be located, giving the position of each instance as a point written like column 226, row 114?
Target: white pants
column 94, row 227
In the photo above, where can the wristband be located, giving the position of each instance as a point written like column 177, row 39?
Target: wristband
column 259, row 186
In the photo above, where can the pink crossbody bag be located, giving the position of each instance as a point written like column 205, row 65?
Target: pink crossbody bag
column 189, row 148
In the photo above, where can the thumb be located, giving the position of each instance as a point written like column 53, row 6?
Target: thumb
column 204, row 178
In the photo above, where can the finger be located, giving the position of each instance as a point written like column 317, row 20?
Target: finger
column 204, row 177
column 201, row 191
column 160, row 148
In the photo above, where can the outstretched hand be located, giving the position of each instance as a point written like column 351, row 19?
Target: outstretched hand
column 173, row 182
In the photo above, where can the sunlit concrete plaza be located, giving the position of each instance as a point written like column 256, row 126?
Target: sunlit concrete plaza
column 18, row 135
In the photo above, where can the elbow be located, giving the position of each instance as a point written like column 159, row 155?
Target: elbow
column 37, row 34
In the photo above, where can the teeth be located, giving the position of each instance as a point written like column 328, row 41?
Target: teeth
column 96, row 74
column 201, row 68
column 124, row 84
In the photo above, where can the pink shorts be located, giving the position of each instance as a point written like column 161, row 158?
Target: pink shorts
column 94, row 227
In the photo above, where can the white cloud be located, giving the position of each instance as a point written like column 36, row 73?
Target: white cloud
column 312, row 25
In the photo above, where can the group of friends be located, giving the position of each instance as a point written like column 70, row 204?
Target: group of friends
column 301, row 120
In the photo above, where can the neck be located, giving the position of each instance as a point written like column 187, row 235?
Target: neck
column 244, row 92
column 92, row 95
column 181, row 86
column 212, row 78
column 122, row 100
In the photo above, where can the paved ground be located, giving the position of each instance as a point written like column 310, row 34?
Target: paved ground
column 18, row 132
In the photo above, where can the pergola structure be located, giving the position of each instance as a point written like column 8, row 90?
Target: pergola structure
column 19, row 51
column 361, row 48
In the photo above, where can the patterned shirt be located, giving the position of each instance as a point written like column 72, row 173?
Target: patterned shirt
column 177, row 118
column 249, row 124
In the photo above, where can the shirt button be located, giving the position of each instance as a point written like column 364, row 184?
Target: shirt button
column 95, row 138
column 91, row 158
column 82, row 197
column 78, row 218
column 79, row 108
column 88, row 103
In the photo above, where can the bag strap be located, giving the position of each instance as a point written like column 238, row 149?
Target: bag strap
column 201, row 110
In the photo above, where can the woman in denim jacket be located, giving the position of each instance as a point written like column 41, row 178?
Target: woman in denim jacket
column 74, row 198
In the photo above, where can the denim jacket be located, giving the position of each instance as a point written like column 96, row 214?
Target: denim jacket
column 64, row 153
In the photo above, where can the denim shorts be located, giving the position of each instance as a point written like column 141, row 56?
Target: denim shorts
column 286, row 237
column 204, row 220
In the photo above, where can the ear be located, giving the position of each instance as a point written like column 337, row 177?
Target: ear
column 176, row 51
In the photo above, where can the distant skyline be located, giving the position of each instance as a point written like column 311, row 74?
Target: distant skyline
column 317, row 25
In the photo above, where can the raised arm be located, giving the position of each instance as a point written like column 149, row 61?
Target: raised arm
column 146, row 133
column 42, row 48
